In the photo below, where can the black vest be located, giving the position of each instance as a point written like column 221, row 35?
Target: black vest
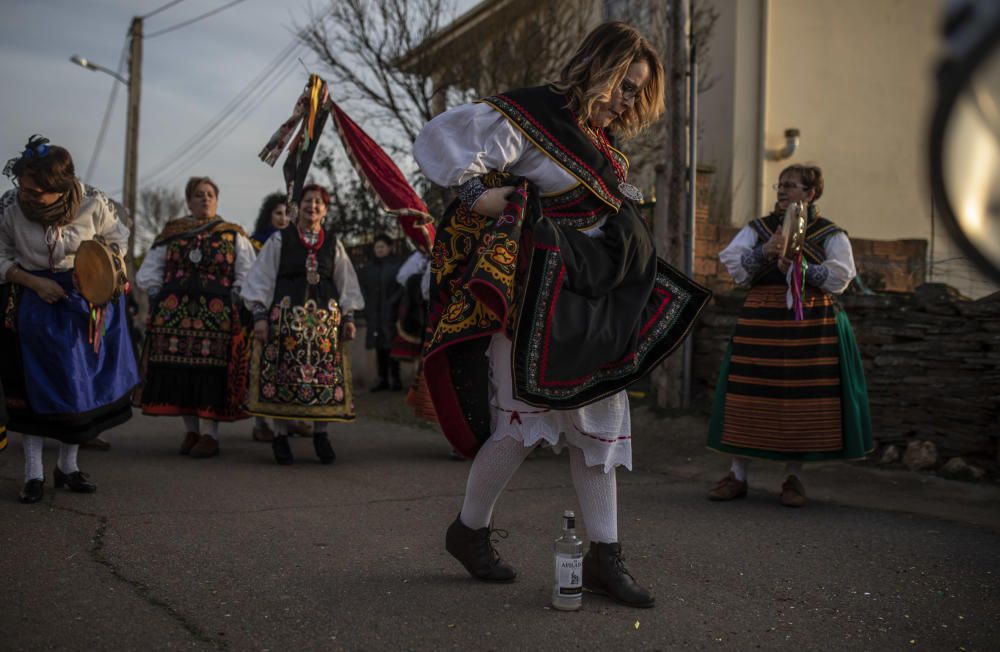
column 292, row 281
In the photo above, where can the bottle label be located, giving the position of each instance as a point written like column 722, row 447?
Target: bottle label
column 569, row 574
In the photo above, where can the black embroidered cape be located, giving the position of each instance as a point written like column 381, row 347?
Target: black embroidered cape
column 588, row 316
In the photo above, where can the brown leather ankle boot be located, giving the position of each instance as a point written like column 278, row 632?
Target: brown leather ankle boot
column 475, row 550
column 604, row 573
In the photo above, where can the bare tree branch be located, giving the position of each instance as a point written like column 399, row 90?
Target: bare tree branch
column 361, row 42
column 157, row 206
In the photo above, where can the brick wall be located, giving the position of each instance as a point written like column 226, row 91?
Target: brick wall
column 893, row 265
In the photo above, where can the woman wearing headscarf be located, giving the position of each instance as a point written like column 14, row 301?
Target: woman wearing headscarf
column 68, row 370
column 303, row 293
column 195, row 359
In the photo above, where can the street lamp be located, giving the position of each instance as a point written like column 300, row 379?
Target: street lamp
column 133, row 82
column 87, row 63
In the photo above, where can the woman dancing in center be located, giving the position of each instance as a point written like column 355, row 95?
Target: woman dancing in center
column 554, row 138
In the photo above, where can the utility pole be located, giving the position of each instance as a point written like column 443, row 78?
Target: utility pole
column 669, row 377
column 692, row 199
column 132, row 134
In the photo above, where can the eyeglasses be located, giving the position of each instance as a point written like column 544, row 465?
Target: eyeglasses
column 787, row 185
column 628, row 90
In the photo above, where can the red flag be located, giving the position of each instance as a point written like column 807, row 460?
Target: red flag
column 378, row 171
column 384, row 178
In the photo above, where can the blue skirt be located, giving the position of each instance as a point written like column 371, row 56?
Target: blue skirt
column 58, row 386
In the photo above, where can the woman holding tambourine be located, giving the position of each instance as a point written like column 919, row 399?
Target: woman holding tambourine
column 68, row 368
column 791, row 387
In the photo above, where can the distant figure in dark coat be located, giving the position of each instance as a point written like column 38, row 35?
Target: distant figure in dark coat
column 382, row 294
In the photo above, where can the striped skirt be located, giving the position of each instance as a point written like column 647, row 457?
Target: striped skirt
column 791, row 390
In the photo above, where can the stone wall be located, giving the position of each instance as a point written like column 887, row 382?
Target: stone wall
column 932, row 362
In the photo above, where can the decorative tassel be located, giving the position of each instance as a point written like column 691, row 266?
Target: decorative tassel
column 97, row 326
column 798, row 286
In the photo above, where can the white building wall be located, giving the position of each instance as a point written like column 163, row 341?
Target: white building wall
column 730, row 110
column 856, row 78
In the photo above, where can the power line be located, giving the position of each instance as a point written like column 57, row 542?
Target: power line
column 248, row 109
column 108, row 110
column 216, row 129
column 194, row 20
column 164, row 7
column 243, row 96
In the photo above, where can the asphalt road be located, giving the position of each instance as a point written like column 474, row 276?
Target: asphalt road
column 237, row 553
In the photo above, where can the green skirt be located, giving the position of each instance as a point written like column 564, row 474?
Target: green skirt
column 855, row 412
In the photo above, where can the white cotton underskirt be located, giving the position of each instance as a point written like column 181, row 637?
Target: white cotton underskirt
column 602, row 430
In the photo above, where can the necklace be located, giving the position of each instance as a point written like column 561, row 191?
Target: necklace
column 52, row 236
column 195, row 255
column 312, row 264
column 604, row 147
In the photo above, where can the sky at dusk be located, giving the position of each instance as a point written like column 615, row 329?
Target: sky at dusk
column 189, row 75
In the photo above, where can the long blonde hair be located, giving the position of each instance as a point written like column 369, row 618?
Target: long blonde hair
column 600, row 65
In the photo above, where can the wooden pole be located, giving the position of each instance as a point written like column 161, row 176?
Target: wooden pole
column 132, row 135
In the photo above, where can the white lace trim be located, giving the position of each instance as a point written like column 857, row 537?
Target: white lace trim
column 556, row 429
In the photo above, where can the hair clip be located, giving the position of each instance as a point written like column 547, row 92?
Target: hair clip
column 37, row 147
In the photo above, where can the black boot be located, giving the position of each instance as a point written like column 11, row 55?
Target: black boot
column 32, row 492
column 76, row 481
column 282, row 451
column 604, row 572
column 476, row 552
column 324, row 451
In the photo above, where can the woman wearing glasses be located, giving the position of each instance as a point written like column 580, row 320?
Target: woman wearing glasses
column 558, row 241
column 791, row 387
column 61, row 381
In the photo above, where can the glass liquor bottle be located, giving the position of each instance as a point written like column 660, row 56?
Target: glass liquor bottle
column 567, row 589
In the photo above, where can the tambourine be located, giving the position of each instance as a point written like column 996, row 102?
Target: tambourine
column 99, row 271
column 794, row 229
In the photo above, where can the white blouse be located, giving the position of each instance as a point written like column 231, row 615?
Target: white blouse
column 150, row 275
column 473, row 139
column 258, row 290
column 27, row 243
column 469, row 141
column 838, row 264
column 416, row 263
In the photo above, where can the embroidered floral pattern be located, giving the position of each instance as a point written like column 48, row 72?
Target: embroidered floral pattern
column 473, row 264
column 302, row 369
column 191, row 330
column 189, row 325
